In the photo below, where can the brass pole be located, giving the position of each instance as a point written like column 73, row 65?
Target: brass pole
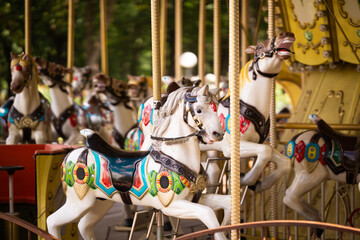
column 70, row 46
column 201, row 42
column 155, row 39
column 178, row 38
column 244, row 31
column 217, row 42
column 163, row 26
column 27, row 27
column 273, row 190
column 234, row 71
column 103, row 37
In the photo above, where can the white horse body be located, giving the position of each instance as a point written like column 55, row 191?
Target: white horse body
column 24, row 83
column 257, row 93
column 315, row 160
column 171, row 124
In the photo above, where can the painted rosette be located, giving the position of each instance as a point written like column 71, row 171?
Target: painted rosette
column 81, row 173
column 164, row 182
column 290, row 149
column 63, row 171
column 185, row 181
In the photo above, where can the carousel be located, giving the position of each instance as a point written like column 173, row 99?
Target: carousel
column 173, row 156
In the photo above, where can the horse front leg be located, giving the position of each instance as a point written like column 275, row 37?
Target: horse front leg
column 184, row 209
column 283, row 166
column 263, row 153
column 40, row 133
column 217, row 202
column 14, row 135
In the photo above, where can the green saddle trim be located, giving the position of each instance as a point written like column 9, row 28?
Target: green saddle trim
column 177, row 185
column 69, row 177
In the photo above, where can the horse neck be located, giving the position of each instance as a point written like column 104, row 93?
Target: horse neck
column 257, row 93
column 188, row 152
column 60, row 100
column 28, row 100
column 124, row 118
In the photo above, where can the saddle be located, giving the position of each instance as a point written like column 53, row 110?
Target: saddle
column 122, row 163
column 350, row 150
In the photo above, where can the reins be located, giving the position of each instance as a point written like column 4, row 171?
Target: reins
column 273, row 51
column 188, row 107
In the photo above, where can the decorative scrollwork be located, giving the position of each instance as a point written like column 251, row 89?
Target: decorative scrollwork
column 305, row 25
column 345, row 15
column 340, row 95
column 354, row 45
column 309, row 45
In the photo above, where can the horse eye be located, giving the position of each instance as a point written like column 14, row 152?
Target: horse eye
column 260, row 47
column 198, row 110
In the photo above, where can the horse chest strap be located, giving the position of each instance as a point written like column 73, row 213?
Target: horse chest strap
column 59, row 122
column 173, row 165
column 29, row 121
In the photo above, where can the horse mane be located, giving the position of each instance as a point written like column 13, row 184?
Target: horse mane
column 174, row 101
column 243, row 78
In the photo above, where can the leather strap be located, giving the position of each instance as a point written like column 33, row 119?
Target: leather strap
column 59, row 122
column 197, row 195
column 125, row 197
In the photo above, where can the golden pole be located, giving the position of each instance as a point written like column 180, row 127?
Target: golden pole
column 70, row 46
column 273, row 189
column 155, row 39
column 217, row 42
column 234, row 71
column 27, row 27
column 201, row 43
column 354, row 127
column 103, row 37
column 244, row 31
column 178, row 38
column 163, row 26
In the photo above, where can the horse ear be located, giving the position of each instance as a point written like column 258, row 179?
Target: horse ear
column 196, row 83
column 26, row 57
column 215, row 92
column 250, row 50
column 12, row 55
column 204, row 91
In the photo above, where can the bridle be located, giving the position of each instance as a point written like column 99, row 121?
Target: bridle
column 19, row 63
column 189, row 100
column 57, row 79
column 119, row 98
column 270, row 53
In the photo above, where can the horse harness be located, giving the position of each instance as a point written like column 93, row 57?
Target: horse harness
column 189, row 100
column 59, row 122
column 250, row 112
column 28, row 122
column 255, row 64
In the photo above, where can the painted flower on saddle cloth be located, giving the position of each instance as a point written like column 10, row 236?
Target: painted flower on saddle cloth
column 244, row 123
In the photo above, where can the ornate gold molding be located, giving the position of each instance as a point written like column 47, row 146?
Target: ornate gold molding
column 354, row 45
column 306, row 25
column 308, row 45
column 345, row 15
column 340, row 95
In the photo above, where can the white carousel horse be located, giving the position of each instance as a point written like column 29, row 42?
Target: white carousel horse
column 140, row 87
column 64, row 112
column 124, row 111
column 82, row 79
column 100, row 171
column 26, row 116
column 319, row 155
column 255, row 86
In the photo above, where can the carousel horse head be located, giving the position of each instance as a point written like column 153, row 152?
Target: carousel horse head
column 138, row 85
column 114, row 89
column 82, row 77
column 199, row 112
column 21, row 71
column 52, row 73
column 268, row 55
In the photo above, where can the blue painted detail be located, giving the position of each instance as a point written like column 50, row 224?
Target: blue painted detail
column 227, row 119
column 141, row 108
column 312, row 151
column 140, row 192
column 11, row 120
column 151, row 117
column 108, row 191
column 41, row 119
column 290, row 149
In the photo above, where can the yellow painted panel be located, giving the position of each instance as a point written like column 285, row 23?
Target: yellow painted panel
column 48, row 167
column 305, row 24
column 347, row 12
